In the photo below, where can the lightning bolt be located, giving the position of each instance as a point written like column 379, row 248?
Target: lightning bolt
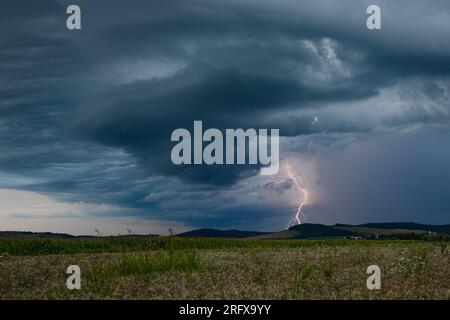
column 302, row 195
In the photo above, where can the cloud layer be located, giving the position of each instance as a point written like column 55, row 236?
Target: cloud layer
column 86, row 116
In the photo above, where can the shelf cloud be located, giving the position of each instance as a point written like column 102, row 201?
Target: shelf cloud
column 86, row 115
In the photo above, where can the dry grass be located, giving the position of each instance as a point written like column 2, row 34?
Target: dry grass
column 409, row 271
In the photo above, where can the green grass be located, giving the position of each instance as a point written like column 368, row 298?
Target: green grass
column 161, row 261
column 305, row 271
column 228, row 269
column 24, row 247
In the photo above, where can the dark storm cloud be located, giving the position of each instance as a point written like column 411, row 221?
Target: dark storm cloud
column 244, row 79
column 141, row 116
column 390, row 179
column 89, row 113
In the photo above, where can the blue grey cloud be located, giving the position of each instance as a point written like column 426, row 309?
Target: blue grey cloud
column 87, row 115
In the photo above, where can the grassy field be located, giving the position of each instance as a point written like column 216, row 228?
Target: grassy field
column 171, row 268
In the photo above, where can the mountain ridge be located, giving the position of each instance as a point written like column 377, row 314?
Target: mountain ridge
column 303, row 231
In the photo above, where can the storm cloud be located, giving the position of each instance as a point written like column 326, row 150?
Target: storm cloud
column 87, row 115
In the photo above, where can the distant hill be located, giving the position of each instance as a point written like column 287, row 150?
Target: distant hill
column 50, row 235
column 28, row 234
column 388, row 230
column 133, row 235
column 214, row 233
column 409, row 226
column 310, row 231
column 405, row 230
column 374, row 232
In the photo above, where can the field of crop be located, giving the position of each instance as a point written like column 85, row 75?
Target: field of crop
column 172, row 268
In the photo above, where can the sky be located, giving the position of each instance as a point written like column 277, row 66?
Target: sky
column 86, row 115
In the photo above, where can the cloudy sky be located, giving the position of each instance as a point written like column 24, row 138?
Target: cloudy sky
column 86, row 116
